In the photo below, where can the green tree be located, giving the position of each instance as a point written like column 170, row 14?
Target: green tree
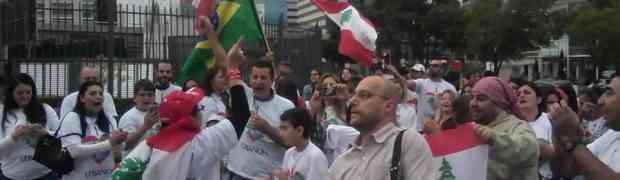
column 446, row 171
column 445, row 21
column 398, row 22
column 420, row 25
column 499, row 30
column 595, row 26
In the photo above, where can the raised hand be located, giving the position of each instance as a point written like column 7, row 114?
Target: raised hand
column 151, row 119
column 315, row 102
column 117, row 138
column 258, row 122
column 565, row 123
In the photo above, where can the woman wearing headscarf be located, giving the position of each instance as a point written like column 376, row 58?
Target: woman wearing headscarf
column 513, row 154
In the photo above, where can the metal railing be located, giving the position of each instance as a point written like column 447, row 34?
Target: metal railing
column 53, row 39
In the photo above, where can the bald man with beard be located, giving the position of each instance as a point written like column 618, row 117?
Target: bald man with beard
column 373, row 113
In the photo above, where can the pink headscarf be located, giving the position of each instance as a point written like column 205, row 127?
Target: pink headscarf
column 500, row 93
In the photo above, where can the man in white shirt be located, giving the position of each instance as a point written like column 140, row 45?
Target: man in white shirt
column 599, row 160
column 164, row 82
column 141, row 118
column 373, row 113
column 427, row 91
column 592, row 117
column 69, row 102
column 260, row 149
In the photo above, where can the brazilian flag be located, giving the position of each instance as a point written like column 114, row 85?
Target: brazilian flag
column 237, row 17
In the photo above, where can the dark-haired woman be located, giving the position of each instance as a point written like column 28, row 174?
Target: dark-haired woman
column 23, row 119
column 89, row 135
column 531, row 104
column 216, row 99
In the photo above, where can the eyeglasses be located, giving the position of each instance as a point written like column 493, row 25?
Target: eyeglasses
column 365, row 95
column 146, row 94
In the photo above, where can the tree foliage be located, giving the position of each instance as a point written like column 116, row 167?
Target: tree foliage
column 415, row 23
column 500, row 30
column 595, row 26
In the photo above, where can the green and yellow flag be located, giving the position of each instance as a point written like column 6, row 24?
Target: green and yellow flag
column 237, row 18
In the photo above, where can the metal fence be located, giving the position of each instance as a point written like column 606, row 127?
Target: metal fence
column 53, row 39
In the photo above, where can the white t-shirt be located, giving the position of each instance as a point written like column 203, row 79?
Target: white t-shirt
column 256, row 155
column 339, row 138
column 309, row 164
column 69, row 102
column 209, row 148
column 596, row 128
column 607, row 149
column 131, row 122
column 98, row 166
column 544, row 131
column 17, row 162
column 427, row 91
column 161, row 94
column 213, row 105
column 406, row 116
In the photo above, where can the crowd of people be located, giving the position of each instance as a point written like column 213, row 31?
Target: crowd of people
column 336, row 127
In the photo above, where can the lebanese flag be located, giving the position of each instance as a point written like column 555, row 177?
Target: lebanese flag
column 459, row 154
column 357, row 34
column 148, row 163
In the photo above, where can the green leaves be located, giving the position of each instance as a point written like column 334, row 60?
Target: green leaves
column 499, row 30
column 596, row 29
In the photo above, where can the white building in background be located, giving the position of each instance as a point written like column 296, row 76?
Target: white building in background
column 304, row 14
column 550, row 61
column 147, row 32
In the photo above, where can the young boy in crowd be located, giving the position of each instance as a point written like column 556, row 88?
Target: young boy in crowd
column 303, row 160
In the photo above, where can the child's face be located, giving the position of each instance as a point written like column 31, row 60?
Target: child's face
column 290, row 134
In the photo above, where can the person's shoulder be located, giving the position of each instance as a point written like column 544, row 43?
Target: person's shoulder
column 175, row 87
column 130, row 113
column 314, row 151
column 71, row 118
column 411, row 134
column 283, row 101
column 47, row 108
column 289, row 152
column 607, row 138
column 611, row 135
column 72, row 95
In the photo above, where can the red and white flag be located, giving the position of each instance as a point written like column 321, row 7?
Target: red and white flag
column 357, row 34
column 459, row 154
